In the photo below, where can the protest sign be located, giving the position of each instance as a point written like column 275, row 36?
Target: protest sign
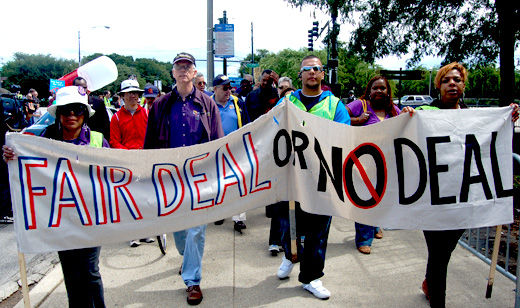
column 443, row 169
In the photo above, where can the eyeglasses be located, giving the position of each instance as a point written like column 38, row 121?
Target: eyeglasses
column 226, row 88
column 200, row 83
column 179, row 67
column 77, row 109
column 316, row 68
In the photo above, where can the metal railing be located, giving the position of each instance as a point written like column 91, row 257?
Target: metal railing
column 480, row 242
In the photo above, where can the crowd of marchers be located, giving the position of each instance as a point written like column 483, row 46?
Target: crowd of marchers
column 189, row 114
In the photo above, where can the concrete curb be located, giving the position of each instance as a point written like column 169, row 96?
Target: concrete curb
column 44, row 288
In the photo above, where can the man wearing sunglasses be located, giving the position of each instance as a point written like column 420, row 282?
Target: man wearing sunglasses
column 200, row 84
column 183, row 117
column 315, row 228
column 233, row 115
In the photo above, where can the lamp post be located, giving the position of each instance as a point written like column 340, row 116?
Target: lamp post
column 79, row 41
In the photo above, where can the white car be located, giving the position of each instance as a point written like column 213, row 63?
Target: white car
column 416, row 100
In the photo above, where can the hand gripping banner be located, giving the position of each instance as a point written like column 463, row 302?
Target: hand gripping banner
column 440, row 169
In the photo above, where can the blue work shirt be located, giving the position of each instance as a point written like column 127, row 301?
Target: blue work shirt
column 228, row 116
column 186, row 128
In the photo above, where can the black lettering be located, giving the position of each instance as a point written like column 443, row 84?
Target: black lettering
column 398, row 145
column 299, row 148
column 336, row 175
column 435, row 169
column 288, row 146
column 472, row 146
column 499, row 188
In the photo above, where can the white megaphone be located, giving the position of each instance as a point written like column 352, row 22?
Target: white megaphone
column 98, row 73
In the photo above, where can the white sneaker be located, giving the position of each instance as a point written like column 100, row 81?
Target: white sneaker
column 274, row 250
column 317, row 289
column 285, row 268
column 134, row 243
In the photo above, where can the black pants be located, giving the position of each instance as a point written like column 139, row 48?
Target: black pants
column 82, row 277
column 271, row 211
column 315, row 228
column 440, row 246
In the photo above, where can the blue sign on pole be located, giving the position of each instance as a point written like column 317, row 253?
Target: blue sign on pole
column 56, row 84
column 224, row 40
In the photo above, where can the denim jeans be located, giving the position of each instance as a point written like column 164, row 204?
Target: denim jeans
column 82, row 278
column 190, row 244
column 365, row 234
column 440, row 246
column 315, row 228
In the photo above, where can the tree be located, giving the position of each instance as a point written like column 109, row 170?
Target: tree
column 34, row 71
column 260, row 53
column 471, row 31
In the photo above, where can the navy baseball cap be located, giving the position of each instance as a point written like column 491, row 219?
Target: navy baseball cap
column 221, row 80
column 184, row 56
column 151, row 91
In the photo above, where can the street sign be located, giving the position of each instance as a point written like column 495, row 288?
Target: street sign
column 403, row 75
column 224, row 40
column 55, row 85
column 252, row 65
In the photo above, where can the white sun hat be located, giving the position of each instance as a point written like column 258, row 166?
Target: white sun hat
column 70, row 95
column 130, row 85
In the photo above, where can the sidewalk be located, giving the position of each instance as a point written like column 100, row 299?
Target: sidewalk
column 239, row 272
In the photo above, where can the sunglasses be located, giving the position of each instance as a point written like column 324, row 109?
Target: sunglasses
column 77, row 109
column 201, row 83
column 316, row 68
column 180, row 67
column 226, row 88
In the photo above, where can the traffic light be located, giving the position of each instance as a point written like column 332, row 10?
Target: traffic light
column 311, row 40
column 315, row 28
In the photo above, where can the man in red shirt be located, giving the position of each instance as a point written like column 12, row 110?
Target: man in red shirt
column 128, row 126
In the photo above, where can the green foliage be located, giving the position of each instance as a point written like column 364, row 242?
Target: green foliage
column 260, row 53
column 34, row 71
column 455, row 30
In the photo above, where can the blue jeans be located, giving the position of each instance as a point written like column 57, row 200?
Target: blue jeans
column 190, row 244
column 315, row 228
column 82, row 277
column 365, row 234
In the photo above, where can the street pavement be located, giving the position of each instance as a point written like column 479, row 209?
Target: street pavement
column 38, row 264
column 239, row 272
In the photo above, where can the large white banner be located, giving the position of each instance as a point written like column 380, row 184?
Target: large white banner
column 436, row 170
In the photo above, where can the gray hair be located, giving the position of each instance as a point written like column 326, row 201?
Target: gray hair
column 197, row 76
column 285, row 79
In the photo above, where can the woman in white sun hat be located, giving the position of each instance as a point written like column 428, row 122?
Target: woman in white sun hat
column 80, row 266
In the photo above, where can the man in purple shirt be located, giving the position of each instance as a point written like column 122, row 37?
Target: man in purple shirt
column 183, row 117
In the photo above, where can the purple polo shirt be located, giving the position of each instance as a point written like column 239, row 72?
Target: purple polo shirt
column 186, row 128
column 84, row 138
column 356, row 107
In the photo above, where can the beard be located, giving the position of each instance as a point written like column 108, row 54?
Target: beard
column 313, row 86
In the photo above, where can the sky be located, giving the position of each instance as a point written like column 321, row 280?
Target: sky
column 158, row 29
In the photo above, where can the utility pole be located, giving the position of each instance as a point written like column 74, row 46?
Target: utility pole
column 223, row 20
column 252, row 54
column 332, row 63
column 209, row 46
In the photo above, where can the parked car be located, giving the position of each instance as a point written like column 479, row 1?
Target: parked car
column 416, row 100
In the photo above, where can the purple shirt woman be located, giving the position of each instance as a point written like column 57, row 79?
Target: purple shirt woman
column 374, row 106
